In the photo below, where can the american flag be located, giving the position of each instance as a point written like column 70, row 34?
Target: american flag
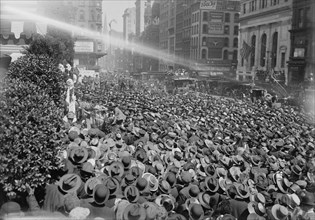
column 246, row 50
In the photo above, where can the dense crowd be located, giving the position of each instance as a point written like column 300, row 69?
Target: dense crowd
column 135, row 154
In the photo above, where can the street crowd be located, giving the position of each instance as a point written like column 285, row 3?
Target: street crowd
column 137, row 155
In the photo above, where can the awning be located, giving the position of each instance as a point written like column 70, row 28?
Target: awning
column 10, row 49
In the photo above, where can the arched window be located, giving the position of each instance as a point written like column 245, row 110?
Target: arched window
column 225, row 55
column 227, row 17
column 226, row 42
column 235, row 55
column 204, row 54
column 274, row 50
column 82, row 15
column 263, row 50
column 205, row 29
column 252, row 56
column 235, row 42
column 204, row 41
column 236, row 17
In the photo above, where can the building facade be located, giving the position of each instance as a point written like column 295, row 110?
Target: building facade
column 140, row 8
column 16, row 30
column 167, row 33
column 215, row 29
column 129, row 23
column 302, row 34
column 264, row 26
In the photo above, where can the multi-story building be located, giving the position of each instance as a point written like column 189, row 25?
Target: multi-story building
column 140, row 8
column 302, row 55
column 167, row 33
column 16, row 30
column 264, row 31
column 129, row 23
column 215, row 29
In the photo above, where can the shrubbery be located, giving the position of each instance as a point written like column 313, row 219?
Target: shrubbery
column 42, row 71
column 31, row 122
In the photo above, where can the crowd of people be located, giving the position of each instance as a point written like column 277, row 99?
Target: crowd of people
column 134, row 154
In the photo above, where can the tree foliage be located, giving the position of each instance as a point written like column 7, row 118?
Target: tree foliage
column 58, row 45
column 41, row 71
column 30, row 135
column 31, row 126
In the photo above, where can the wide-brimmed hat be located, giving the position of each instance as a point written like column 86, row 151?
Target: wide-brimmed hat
column 279, row 212
column 153, row 183
column 90, row 185
column 100, row 194
column 223, row 182
column 235, row 173
column 116, row 169
column 307, row 198
column 170, row 177
column 126, row 161
column 112, row 184
column 164, row 186
column 195, row 211
column 131, row 193
column 78, row 154
column 242, row 190
column 212, row 183
column 256, row 207
column 283, row 183
column 204, row 199
column 134, row 211
column 69, row 183
column 254, row 216
column 258, row 198
column 142, row 185
column 151, row 209
column 167, row 201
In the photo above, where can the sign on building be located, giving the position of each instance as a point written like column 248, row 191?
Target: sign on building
column 208, row 4
column 84, row 46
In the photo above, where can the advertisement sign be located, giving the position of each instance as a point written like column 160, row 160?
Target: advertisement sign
column 216, row 17
column 215, row 28
column 208, row 4
column 84, row 46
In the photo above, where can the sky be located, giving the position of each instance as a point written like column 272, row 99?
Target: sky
column 114, row 9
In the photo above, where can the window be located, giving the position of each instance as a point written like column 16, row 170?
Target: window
column 227, row 17
column 204, row 41
column 274, row 50
column 226, row 29
column 282, row 59
column 263, row 50
column 252, row 56
column 235, row 42
column 205, row 29
column 204, row 54
column 244, row 8
column 92, row 15
column 205, row 16
column 225, row 55
column 235, row 55
column 82, row 16
column 300, row 18
column 236, row 17
column 226, row 42
column 235, row 32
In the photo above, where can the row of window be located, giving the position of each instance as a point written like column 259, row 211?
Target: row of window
column 205, row 29
column 206, row 16
column 217, row 54
column 259, row 4
column 92, row 16
column 267, row 58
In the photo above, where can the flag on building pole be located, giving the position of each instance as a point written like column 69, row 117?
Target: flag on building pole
column 245, row 50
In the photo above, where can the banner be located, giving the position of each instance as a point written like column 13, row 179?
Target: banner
column 17, row 28
column 215, row 28
column 208, row 4
column 216, row 17
column 84, row 46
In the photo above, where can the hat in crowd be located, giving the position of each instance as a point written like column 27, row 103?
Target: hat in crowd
column 131, row 193
column 69, row 183
column 100, row 194
column 10, row 208
column 79, row 213
column 153, row 183
column 134, row 211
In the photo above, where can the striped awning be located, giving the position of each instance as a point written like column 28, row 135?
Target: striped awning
column 9, row 49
